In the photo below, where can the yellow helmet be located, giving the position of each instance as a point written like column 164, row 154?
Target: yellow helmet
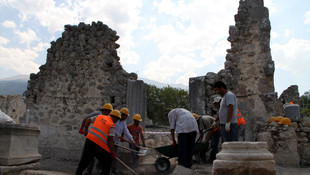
column 195, row 116
column 272, row 119
column 107, row 106
column 125, row 111
column 285, row 121
column 137, row 117
column 115, row 113
column 279, row 118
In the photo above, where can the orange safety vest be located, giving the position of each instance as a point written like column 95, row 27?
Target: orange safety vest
column 99, row 132
column 240, row 118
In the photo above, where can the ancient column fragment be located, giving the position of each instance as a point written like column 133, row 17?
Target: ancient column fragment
column 244, row 158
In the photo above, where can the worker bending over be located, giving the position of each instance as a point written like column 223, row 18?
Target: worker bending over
column 99, row 142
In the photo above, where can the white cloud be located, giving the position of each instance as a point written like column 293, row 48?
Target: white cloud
column 183, row 79
column 41, row 47
column 307, row 16
column 273, row 35
column 196, row 30
column 19, row 60
column 9, row 24
column 122, row 16
column 46, row 12
column 288, row 33
column 293, row 56
column 166, row 67
column 3, row 40
column 27, row 36
column 271, row 6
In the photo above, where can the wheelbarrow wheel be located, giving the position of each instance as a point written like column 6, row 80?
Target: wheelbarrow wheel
column 162, row 164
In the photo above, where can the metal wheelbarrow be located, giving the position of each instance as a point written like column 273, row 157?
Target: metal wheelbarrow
column 162, row 163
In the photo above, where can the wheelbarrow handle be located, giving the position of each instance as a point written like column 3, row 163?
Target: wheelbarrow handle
column 119, row 160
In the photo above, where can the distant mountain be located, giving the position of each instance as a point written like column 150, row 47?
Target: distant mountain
column 14, row 85
column 18, row 84
column 161, row 85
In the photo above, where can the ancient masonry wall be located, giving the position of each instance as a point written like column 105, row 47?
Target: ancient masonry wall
column 249, row 67
column 248, row 73
column 82, row 72
column 13, row 105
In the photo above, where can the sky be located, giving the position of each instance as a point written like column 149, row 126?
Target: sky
column 163, row 40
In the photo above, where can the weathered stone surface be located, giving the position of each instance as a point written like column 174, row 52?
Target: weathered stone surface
column 82, row 72
column 197, row 94
column 19, row 144
column 13, row 105
column 16, row 169
column 282, row 142
column 244, row 158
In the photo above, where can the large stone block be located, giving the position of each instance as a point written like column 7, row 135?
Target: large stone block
column 244, row 158
column 19, row 144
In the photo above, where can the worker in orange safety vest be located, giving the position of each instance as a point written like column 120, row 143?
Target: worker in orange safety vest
column 240, row 120
column 99, row 142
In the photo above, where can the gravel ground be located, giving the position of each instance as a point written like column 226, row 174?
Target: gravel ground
column 53, row 167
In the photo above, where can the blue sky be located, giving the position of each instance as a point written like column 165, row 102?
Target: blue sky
column 163, row 40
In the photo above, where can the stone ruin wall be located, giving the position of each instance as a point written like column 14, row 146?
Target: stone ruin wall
column 248, row 73
column 13, row 105
column 82, row 72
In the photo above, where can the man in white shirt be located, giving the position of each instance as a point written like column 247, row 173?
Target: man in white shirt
column 185, row 126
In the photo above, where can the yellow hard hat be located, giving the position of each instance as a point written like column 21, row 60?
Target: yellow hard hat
column 279, row 118
column 285, row 121
column 125, row 111
column 115, row 113
column 107, row 106
column 195, row 116
column 137, row 117
column 272, row 119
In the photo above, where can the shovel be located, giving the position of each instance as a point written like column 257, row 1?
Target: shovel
column 119, row 160
column 140, row 153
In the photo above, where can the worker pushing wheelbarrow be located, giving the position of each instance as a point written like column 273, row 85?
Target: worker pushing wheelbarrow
column 165, row 153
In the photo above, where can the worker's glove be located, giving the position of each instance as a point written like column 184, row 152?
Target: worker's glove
column 81, row 131
column 121, row 139
column 134, row 143
column 227, row 126
column 174, row 143
column 113, row 155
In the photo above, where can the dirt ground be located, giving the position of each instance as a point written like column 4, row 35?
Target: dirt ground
column 56, row 167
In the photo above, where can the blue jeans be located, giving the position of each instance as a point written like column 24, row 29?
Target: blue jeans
column 229, row 136
column 186, row 142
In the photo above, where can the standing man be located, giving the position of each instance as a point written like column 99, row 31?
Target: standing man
column 121, row 127
column 227, row 112
column 185, row 126
column 99, row 142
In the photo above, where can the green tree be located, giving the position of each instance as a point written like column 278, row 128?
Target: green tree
column 305, row 104
column 158, row 99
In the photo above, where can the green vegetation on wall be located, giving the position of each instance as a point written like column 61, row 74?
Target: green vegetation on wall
column 158, row 99
column 305, row 104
